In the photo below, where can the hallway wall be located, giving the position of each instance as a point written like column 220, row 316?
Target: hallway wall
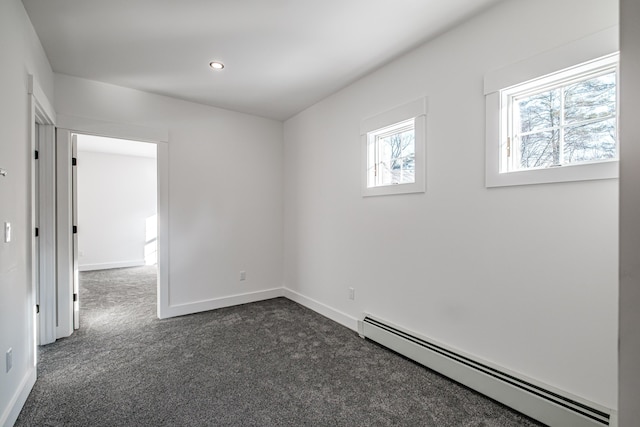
column 21, row 54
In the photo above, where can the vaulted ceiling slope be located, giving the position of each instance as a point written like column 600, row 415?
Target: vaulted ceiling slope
column 280, row 56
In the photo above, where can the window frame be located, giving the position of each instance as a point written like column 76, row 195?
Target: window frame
column 415, row 111
column 555, row 65
column 561, row 79
column 374, row 139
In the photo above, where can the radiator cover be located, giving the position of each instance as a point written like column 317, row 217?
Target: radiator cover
column 539, row 401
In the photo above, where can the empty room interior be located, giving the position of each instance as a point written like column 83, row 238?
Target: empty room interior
column 117, row 206
column 341, row 212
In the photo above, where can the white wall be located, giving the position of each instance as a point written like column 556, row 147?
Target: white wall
column 21, row 54
column 116, row 196
column 524, row 277
column 225, row 189
column 629, row 389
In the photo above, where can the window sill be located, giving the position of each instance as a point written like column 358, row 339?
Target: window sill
column 584, row 172
column 388, row 190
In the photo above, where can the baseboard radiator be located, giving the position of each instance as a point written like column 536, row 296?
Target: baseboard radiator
column 540, row 402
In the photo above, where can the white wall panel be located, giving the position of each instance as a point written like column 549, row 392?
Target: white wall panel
column 523, row 277
column 116, row 199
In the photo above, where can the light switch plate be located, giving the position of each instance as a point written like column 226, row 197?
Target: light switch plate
column 7, row 232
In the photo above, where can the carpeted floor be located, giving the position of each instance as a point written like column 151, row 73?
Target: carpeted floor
column 272, row 363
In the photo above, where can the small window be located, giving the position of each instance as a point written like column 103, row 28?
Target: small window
column 393, row 151
column 553, row 117
column 567, row 118
column 391, row 156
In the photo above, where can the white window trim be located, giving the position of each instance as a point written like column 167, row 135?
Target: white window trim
column 416, row 110
column 584, row 50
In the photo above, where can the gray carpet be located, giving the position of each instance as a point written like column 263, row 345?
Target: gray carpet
column 272, row 363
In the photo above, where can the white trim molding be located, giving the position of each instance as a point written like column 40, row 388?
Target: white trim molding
column 10, row 415
column 44, row 108
column 215, row 303
column 112, row 130
column 415, row 110
column 322, row 309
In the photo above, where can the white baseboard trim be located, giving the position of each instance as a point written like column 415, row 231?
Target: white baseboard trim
column 323, row 309
column 10, row 414
column 109, row 265
column 215, row 303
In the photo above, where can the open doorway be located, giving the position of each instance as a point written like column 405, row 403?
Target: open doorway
column 58, row 288
column 116, row 221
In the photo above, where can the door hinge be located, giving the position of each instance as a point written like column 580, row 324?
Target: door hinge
column 36, row 155
column 75, row 229
column 509, row 147
column 37, row 231
column 74, row 161
column 75, row 297
column 37, row 308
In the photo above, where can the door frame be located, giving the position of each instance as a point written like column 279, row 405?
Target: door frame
column 68, row 125
column 43, row 266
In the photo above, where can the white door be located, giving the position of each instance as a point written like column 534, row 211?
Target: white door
column 74, row 209
column 36, row 212
column 67, row 271
column 45, row 214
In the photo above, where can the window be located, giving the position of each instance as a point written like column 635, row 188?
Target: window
column 564, row 119
column 393, row 150
column 553, row 117
column 391, row 157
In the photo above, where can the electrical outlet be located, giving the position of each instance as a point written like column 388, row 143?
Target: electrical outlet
column 243, row 275
column 9, row 359
column 352, row 294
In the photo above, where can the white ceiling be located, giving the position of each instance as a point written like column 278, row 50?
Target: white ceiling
column 280, row 56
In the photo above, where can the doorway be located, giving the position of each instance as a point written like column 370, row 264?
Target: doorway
column 115, row 208
column 59, row 293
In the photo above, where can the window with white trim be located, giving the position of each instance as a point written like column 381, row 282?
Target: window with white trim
column 393, row 150
column 391, row 155
column 553, row 117
column 566, row 118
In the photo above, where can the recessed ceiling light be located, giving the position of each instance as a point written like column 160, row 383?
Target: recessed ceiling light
column 216, row 65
